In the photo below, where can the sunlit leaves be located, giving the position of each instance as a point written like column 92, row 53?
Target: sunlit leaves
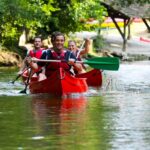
column 22, row 13
column 76, row 13
column 47, row 15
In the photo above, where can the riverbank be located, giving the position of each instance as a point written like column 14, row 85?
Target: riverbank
column 138, row 47
column 8, row 58
column 139, row 43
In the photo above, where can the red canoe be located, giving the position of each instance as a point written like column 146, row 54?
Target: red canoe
column 63, row 83
column 94, row 77
column 144, row 39
column 59, row 83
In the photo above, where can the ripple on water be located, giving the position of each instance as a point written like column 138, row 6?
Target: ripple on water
column 10, row 89
column 130, row 77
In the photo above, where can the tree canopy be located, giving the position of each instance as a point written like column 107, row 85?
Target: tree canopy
column 45, row 16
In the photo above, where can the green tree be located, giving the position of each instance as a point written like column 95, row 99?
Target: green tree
column 17, row 15
column 69, row 13
column 44, row 17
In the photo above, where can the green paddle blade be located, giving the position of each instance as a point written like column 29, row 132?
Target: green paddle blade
column 104, row 63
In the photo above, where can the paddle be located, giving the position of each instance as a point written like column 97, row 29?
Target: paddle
column 27, row 83
column 18, row 76
column 80, row 49
column 104, row 63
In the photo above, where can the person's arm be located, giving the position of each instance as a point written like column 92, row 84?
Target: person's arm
column 31, row 63
column 36, row 65
column 24, row 64
column 72, row 62
column 87, row 47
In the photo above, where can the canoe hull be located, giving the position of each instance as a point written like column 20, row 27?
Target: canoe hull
column 59, row 83
column 94, row 77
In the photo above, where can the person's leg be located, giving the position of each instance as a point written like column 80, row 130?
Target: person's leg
column 41, row 77
column 80, row 69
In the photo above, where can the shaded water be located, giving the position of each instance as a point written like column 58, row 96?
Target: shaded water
column 115, row 117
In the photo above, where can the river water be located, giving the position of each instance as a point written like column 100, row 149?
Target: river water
column 115, row 117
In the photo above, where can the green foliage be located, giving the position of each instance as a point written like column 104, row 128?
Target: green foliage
column 98, row 43
column 19, row 14
column 68, row 17
column 45, row 16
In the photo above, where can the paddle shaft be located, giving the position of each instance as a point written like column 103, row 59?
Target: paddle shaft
column 86, row 61
column 104, row 63
column 27, row 83
column 44, row 60
column 18, row 76
column 80, row 49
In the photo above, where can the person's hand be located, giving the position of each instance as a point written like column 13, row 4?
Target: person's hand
column 28, row 60
column 71, row 61
column 20, row 72
column 34, row 59
column 87, row 41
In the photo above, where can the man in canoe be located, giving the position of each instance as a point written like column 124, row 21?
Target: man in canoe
column 57, row 52
column 79, row 52
column 35, row 53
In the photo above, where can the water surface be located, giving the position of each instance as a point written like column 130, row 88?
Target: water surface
column 115, row 117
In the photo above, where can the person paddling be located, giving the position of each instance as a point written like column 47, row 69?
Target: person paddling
column 57, row 52
column 79, row 52
column 35, row 53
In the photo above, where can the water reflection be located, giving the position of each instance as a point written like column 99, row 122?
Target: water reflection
column 70, row 122
column 77, row 121
column 115, row 117
column 56, row 114
column 131, row 126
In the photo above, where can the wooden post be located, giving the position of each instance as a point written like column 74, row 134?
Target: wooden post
column 124, row 36
column 147, row 25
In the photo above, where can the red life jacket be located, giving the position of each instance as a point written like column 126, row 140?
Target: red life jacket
column 55, row 65
column 36, row 53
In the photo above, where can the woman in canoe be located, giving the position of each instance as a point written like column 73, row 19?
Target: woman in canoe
column 57, row 52
column 79, row 52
